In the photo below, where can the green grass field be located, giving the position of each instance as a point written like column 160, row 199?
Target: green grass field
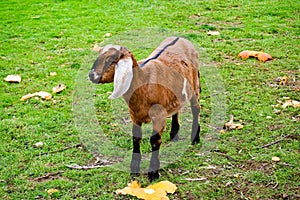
column 39, row 37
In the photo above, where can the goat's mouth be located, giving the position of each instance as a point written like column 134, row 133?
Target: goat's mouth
column 94, row 77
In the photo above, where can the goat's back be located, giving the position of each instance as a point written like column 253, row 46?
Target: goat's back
column 181, row 57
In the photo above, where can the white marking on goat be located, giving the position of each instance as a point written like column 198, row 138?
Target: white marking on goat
column 96, row 76
column 184, row 93
column 107, row 47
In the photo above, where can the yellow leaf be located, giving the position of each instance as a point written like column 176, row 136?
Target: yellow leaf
column 157, row 191
column 233, row 126
column 42, row 94
column 52, row 190
column 59, row 88
column 165, row 185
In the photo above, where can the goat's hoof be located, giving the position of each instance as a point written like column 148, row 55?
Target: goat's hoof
column 174, row 137
column 153, row 175
column 196, row 141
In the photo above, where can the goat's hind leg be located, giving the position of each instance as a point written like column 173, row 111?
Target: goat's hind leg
column 136, row 154
column 175, row 128
column 195, row 127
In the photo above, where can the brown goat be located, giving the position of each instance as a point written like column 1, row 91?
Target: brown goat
column 154, row 89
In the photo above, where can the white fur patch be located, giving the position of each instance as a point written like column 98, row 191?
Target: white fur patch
column 123, row 77
column 184, row 93
column 96, row 76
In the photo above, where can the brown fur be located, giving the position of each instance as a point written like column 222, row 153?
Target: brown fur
column 160, row 81
column 158, row 89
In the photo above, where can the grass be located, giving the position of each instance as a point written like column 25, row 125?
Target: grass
column 39, row 37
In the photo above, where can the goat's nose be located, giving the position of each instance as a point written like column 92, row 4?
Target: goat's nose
column 94, row 77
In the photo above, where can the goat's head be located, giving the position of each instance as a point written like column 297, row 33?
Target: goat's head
column 114, row 64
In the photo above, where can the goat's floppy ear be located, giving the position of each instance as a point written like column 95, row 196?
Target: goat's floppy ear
column 122, row 78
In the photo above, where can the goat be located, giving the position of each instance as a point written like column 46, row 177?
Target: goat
column 153, row 88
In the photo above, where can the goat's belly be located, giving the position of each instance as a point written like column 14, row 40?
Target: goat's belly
column 143, row 110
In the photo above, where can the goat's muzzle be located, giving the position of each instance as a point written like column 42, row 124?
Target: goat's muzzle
column 94, row 77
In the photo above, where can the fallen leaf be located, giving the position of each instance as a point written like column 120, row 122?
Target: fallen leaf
column 59, row 88
column 53, row 73
column 213, row 33
column 156, row 191
column 275, row 159
column 13, row 78
column 42, row 94
column 293, row 103
column 97, row 48
column 52, row 190
column 165, row 185
column 261, row 56
column 108, row 35
column 232, row 126
column 283, row 80
column 38, row 144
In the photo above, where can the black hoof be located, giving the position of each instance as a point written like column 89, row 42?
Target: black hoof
column 196, row 141
column 196, row 137
column 174, row 138
column 153, row 175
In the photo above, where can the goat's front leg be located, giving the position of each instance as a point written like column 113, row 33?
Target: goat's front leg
column 195, row 127
column 158, row 117
column 136, row 154
column 155, row 140
column 175, row 128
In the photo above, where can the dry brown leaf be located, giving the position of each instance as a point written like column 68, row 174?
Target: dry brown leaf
column 59, row 88
column 261, row 56
column 42, row 94
column 293, row 103
column 232, row 126
column 156, row 191
column 13, row 78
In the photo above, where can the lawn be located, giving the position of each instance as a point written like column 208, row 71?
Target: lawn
column 80, row 125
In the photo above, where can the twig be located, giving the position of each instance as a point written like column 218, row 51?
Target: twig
column 47, row 176
column 59, row 150
column 275, row 142
column 196, row 179
column 225, row 155
column 125, row 120
column 85, row 167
